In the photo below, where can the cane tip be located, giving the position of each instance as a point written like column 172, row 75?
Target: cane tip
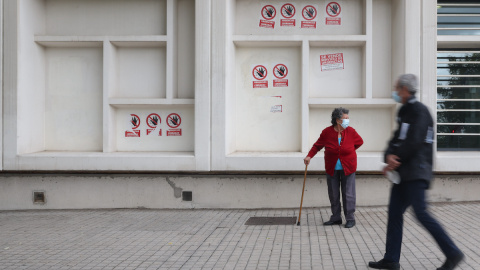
column 298, row 223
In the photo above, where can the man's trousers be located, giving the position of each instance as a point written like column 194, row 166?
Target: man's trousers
column 403, row 195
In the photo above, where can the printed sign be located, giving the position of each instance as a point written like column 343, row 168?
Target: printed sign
column 288, row 11
column 133, row 124
column 276, row 108
column 173, row 121
column 331, row 61
column 333, row 10
column 268, row 14
column 153, row 121
column 280, row 71
column 259, row 72
column 309, row 13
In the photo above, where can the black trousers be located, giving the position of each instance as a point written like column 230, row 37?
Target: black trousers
column 403, row 195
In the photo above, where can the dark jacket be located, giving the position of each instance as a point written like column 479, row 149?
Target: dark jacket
column 412, row 142
column 345, row 151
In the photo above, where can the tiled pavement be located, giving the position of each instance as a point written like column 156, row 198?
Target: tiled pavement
column 218, row 239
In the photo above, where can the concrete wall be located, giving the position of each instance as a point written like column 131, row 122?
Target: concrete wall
column 83, row 191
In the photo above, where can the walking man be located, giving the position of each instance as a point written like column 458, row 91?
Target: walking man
column 410, row 153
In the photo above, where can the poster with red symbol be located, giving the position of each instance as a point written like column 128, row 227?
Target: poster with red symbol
column 280, row 71
column 288, row 13
column 259, row 73
column 332, row 13
column 309, row 14
column 153, row 122
column 268, row 14
column 173, row 122
column 132, row 126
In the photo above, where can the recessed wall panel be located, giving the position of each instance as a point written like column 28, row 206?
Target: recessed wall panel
column 336, row 72
column 73, row 116
column 105, row 17
column 141, row 72
column 304, row 17
column 382, row 49
column 372, row 124
column 268, row 110
column 155, row 129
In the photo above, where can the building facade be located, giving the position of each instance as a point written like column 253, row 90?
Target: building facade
column 215, row 103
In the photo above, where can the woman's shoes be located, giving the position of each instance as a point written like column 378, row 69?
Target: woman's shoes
column 328, row 223
column 350, row 224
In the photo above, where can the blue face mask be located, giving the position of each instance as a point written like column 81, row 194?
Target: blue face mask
column 345, row 123
column 396, row 97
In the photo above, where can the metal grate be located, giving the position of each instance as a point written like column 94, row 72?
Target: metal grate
column 271, row 221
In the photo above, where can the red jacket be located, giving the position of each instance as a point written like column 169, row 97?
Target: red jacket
column 350, row 142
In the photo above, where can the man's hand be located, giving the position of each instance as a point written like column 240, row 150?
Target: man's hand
column 307, row 160
column 393, row 162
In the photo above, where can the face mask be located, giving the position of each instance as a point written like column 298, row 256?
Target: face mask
column 345, row 123
column 396, row 97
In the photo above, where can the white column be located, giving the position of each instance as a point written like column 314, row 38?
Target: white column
column 10, row 63
column 413, row 13
column 202, row 84
column 428, row 82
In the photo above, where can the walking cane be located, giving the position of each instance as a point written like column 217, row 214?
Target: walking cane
column 303, row 190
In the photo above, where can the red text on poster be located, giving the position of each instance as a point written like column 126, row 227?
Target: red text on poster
column 331, row 61
column 333, row 21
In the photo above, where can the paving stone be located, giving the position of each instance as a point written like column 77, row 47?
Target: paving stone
column 218, row 239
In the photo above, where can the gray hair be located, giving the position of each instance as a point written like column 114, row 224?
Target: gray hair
column 338, row 114
column 410, row 81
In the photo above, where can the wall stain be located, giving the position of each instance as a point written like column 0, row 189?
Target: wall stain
column 177, row 192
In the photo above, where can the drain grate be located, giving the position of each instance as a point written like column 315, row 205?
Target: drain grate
column 271, row 221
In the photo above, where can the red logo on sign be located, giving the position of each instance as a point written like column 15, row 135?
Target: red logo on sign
column 259, row 72
column 280, row 71
column 174, row 120
column 135, row 121
column 288, row 11
column 309, row 12
column 153, row 120
column 269, row 12
column 333, row 9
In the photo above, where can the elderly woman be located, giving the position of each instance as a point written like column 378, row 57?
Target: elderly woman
column 340, row 142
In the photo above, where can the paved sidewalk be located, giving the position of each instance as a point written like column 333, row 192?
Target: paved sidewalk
column 218, row 239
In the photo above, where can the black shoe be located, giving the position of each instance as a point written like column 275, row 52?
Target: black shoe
column 382, row 264
column 350, row 224
column 451, row 263
column 328, row 223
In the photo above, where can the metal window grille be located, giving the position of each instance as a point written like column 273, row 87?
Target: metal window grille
column 460, row 17
column 458, row 99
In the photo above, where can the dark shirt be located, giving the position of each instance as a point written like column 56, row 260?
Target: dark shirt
column 412, row 142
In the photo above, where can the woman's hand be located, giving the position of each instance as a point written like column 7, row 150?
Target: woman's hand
column 307, row 160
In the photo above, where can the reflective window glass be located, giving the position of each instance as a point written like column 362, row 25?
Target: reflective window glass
column 458, row 100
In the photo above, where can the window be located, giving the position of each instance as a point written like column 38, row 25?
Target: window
column 458, row 99
column 458, row 17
